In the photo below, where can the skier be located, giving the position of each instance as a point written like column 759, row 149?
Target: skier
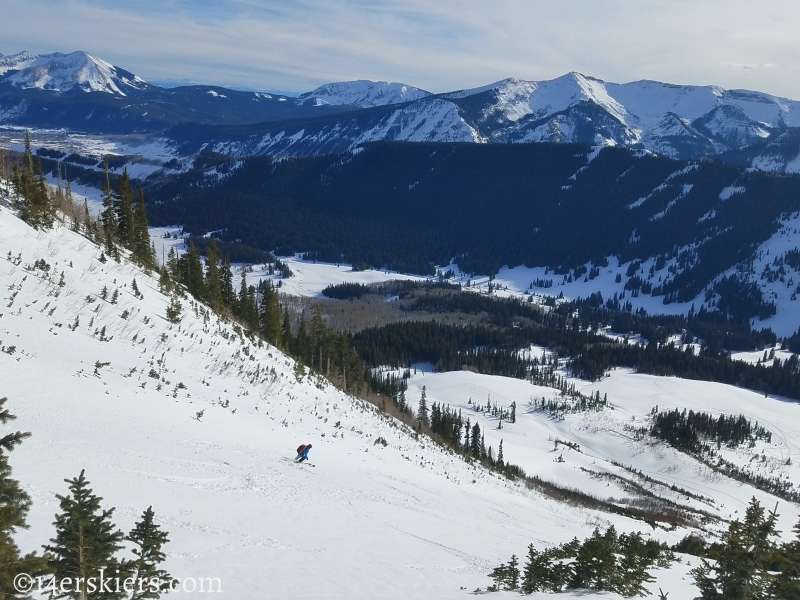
column 302, row 453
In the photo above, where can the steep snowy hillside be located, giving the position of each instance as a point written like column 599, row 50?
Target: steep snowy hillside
column 427, row 120
column 365, row 93
column 609, row 453
column 59, row 72
column 201, row 422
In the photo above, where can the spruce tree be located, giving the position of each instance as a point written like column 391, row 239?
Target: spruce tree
column 174, row 309
column 14, row 506
column 596, row 562
column 192, row 272
column 87, row 219
column 475, row 441
column 86, row 544
column 786, row 584
column 108, row 217
column 302, row 345
column 213, row 283
column 173, row 266
column 164, row 280
column 422, row 409
column 271, row 316
column 286, row 328
column 319, row 336
column 122, row 201
column 741, row 559
column 30, row 188
column 251, row 310
column 226, row 283
column 149, row 540
column 141, row 248
column 242, row 304
column 401, row 401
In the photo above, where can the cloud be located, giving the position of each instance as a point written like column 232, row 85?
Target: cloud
column 439, row 46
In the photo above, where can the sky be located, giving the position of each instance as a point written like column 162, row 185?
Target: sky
column 437, row 45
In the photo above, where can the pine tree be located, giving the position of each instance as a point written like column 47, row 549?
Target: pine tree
column 149, row 539
column 422, row 409
column 14, row 506
column 86, row 543
column 500, row 462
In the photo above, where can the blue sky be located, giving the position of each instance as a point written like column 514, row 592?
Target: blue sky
column 438, row 45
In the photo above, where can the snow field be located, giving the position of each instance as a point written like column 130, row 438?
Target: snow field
column 406, row 521
column 607, row 438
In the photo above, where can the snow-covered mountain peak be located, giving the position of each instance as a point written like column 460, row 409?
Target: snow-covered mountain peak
column 60, row 72
column 15, row 62
column 517, row 98
column 365, row 93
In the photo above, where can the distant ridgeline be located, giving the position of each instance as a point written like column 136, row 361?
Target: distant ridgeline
column 410, row 206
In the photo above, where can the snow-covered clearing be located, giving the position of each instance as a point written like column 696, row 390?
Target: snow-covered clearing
column 309, row 278
column 607, row 438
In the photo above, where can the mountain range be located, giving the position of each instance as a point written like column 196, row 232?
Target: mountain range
column 80, row 92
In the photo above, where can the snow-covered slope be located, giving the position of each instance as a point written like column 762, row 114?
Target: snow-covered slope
column 201, row 422
column 608, row 445
column 64, row 72
column 365, row 93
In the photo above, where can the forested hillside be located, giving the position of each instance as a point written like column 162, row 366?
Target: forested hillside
column 409, row 207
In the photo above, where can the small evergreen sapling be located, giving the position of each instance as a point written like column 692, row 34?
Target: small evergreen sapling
column 149, row 539
column 174, row 311
column 85, row 544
